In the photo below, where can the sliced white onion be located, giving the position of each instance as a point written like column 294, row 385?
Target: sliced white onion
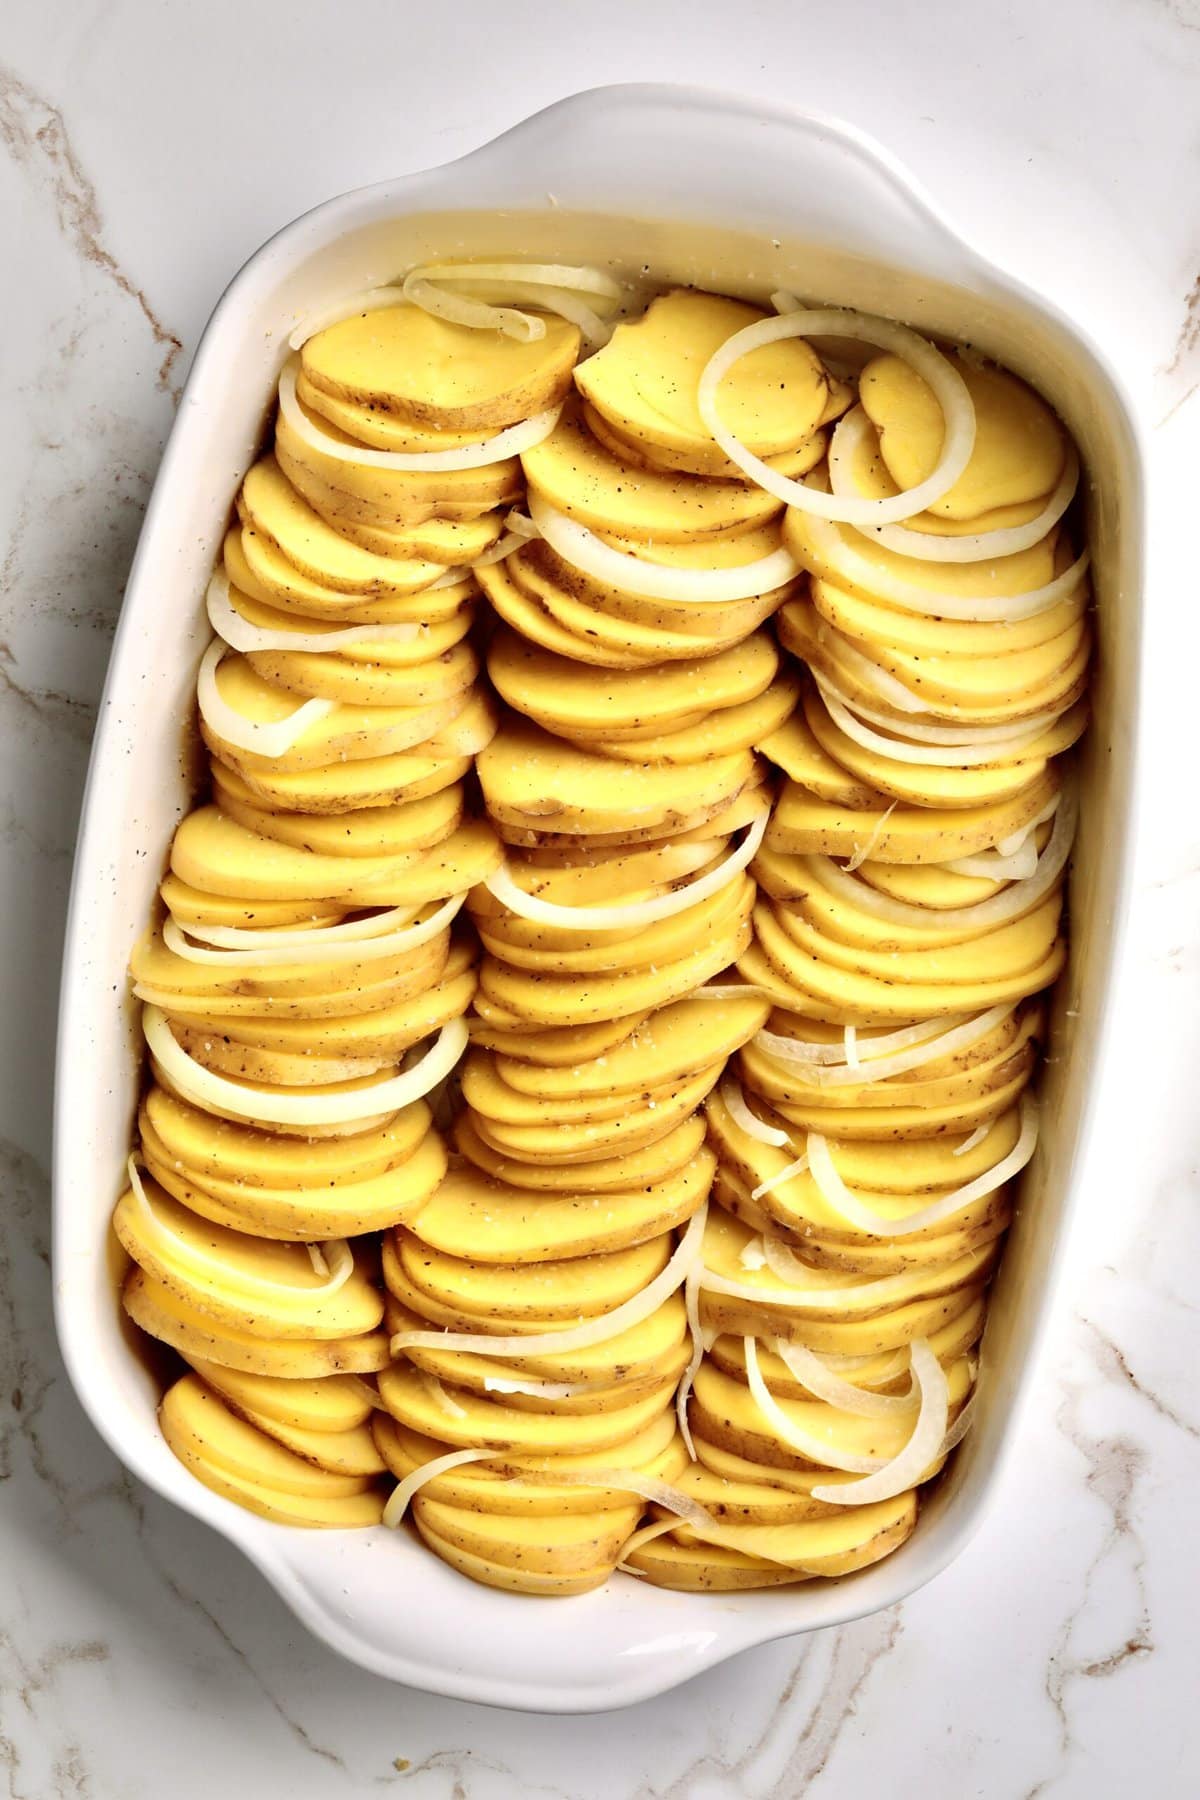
column 478, row 315
column 213, row 1093
column 734, row 1102
column 240, row 634
column 858, row 571
column 647, row 1487
column 540, row 1390
column 983, row 546
column 658, row 1528
column 944, row 734
column 633, row 914
column 367, row 1393
column 960, row 1427
column 864, row 852
column 807, row 1444
column 973, row 1142
column 578, row 277
column 369, row 300
column 585, row 550
column 730, row 990
column 777, row 1180
column 691, row 1300
column 960, row 1034
column 446, row 1401
column 316, row 1257
column 398, row 1499
column 850, row 1043
column 230, row 1275
column 881, row 682
column 799, row 1050
column 751, row 1255
column 576, row 1337
column 1013, row 901
column 264, row 739
column 1013, row 857
column 906, row 1468
column 876, row 1294
column 320, row 944
column 847, row 1204
column 500, row 550
column 940, row 756
column 935, row 369
column 782, row 1261
column 823, row 1384
column 498, row 448
column 521, row 525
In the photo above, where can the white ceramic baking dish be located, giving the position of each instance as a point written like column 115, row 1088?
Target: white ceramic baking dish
column 699, row 188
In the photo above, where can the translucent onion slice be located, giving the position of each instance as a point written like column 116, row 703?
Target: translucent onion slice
column 1012, row 857
column 983, row 546
column 935, row 369
column 320, row 944
column 922, row 1448
column 800, row 1050
column 213, row 1093
column 576, row 1337
column 777, row 1180
column 467, row 292
column 635, row 913
column 647, row 1487
column 584, row 550
column 940, row 756
column 368, row 300
column 881, row 682
column 577, row 277
column 479, row 315
column 1012, row 902
column 240, row 634
column 960, row 1427
column 446, row 1401
column 192, row 1258
column 849, row 565
column 398, row 1499
column 264, row 739
column 645, row 1535
column 960, row 1035
column 541, row 1390
column 875, row 1294
column 864, row 852
column 943, row 734
column 752, row 1255
column 734, row 1102
column 691, row 1300
column 804, row 1443
column 499, row 448
column 977, row 1137
column 847, row 1204
column 850, row 1043
column 730, row 990
column 823, row 1384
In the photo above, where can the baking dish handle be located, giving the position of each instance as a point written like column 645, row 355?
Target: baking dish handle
column 684, row 149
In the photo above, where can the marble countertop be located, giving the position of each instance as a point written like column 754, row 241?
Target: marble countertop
column 146, row 148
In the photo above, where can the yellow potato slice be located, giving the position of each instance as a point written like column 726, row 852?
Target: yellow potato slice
column 710, row 461
column 575, row 474
column 492, row 1425
column 827, row 910
column 379, row 430
column 508, row 1484
column 366, row 831
column 670, row 1044
column 563, row 1288
column 606, row 1175
column 793, row 748
column 706, row 1568
column 574, row 1142
column 328, row 676
column 568, row 1545
column 559, row 1000
column 299, row 1214
column 258, row 568
column 522, row 944
column 563, row 698
column 330, row 1405
column 350, row 1452
column 546, row 1047
column 364, row 491
column 381, row 781
column 270, row 505
column 645, row 381
column 208, row 1146
column 402, row 361
column 646, row 1353
column 852, row 1539
column 510, row 1580
column 215, row 854
column 1001, row 578
column 879, row 626
column 191, row 906
column 347, row 988
column 430, row 637
column 199, row 1337
column 1019, row 944
column 485, row 1220
column 223, row 1286
column 1020, row 447
column 725, row 733
column 200, row 1428
column 802, row 824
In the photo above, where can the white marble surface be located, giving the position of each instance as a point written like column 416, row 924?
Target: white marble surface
column 146, row 147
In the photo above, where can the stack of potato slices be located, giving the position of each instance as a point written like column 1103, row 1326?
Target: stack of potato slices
column 310, row 938
column 743, row 948
column 909, row 916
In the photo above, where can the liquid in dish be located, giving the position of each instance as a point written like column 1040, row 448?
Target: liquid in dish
column 705, row 823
